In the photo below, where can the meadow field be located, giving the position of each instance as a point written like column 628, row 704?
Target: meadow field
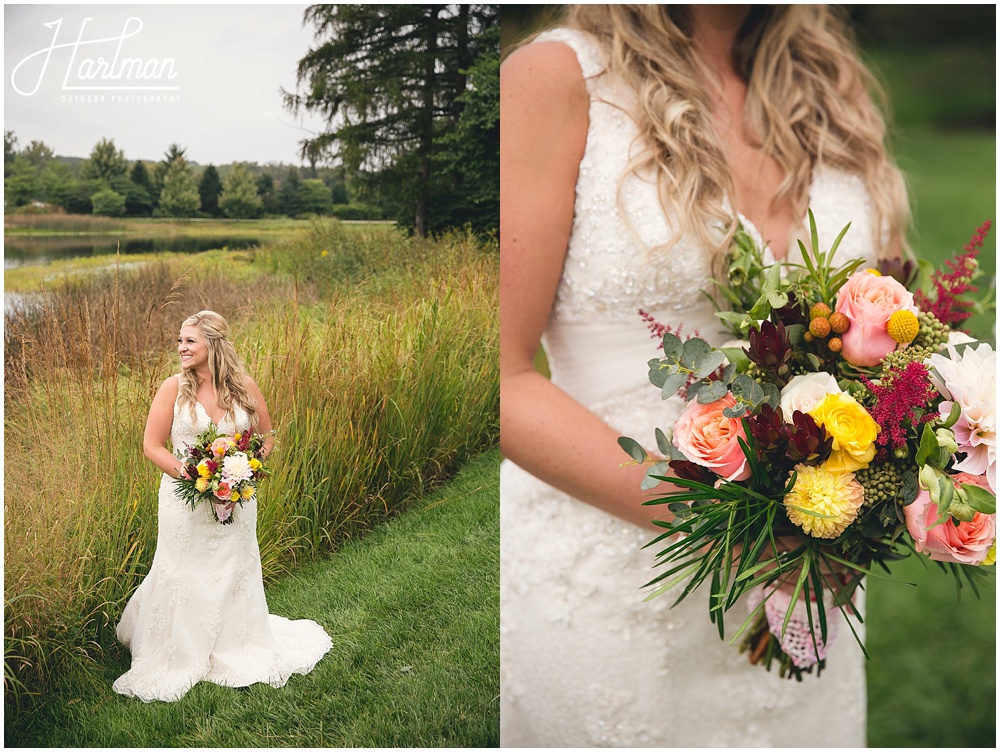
column 376, row 352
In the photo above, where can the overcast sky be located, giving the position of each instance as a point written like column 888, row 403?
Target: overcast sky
column 216, row 69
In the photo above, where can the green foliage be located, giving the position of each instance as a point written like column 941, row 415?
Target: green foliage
column 108, row 203
column 472, row 150
column 105, row 161
column 239, row 198
column 38, row 154
column 9, row 151
column 314, row 197
column 179, row 197
column 391, row 76
column 21, row 185
column 288, row 194
column 56, row 182
column 209, row 190
column 413, row 609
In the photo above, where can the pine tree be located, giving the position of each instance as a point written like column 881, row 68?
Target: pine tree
column 105, row 162
column 179, row 197
column 240, row 199
column 209, row 189
column 388, row 78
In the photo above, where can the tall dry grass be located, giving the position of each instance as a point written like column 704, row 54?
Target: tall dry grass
column 380, row 385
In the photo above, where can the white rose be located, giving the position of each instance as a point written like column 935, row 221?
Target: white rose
column 805, row 392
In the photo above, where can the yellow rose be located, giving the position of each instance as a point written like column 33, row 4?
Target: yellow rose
column 202, row 484
column 852, row 429
column 235, row 495
column 255, row 464
column 248, row 492
column 203, row 470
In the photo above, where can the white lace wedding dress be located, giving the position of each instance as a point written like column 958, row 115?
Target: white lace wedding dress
column 200, row 613
column 584, row 661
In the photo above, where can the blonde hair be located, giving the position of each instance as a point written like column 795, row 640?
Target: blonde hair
column 809, row 102
column 228, row 375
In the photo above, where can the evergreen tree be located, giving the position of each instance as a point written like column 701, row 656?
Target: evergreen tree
column 209, row 189
column 387, row 78
column 265, row 187
column 179, row 197
column 21, row 186
column 137, row 200
column 171, row 155
column 38, row 154
column 314, row 197
column 9, row 151
column 141, row 177
column 240, row 199
column 288, row 194
column 56, row 183
column 105, row 161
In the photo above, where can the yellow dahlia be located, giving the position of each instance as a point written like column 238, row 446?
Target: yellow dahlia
column 202, row 484
column 248, row 492
column 203, row 470
column 823, row 503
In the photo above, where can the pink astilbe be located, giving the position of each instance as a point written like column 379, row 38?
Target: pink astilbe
column 946, row 304
column 904, row 396
column 657, row 330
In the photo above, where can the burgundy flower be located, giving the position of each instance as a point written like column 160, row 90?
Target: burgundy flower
column 807, row 442
column 692, row 471
column 770, row 348
column 766, row 428
column 791, row 313
column 904, row 272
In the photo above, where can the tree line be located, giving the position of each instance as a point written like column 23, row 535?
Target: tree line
column 108, row 184
column 411, row 99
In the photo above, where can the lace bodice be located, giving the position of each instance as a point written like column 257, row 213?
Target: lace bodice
column 186, row 428
column 609, row 270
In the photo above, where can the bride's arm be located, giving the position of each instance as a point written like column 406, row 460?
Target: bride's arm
column 161, row 417
column 543, row 131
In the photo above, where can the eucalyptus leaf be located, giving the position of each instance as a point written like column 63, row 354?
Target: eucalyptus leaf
column 662, row 443
column 650, row 482
column 709, row 363
column 632, row 448
column 672, row 383
column 672, row 346
column 715, row 391
column 777, row 299
column 771, row 394
column 736, row 411
column 795, row 333
column 693, row 351
column 813, row 361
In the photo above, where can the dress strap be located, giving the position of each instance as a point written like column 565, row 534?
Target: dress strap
column 588, row 53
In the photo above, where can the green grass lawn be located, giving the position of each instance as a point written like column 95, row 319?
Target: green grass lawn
column 413, row 611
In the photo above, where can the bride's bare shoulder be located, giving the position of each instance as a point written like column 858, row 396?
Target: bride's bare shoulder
column 546, row 69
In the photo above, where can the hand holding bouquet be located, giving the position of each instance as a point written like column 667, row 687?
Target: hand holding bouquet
column 855, row 426
column 223, row 470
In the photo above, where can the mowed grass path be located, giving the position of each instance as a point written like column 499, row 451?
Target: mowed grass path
column 413, row 611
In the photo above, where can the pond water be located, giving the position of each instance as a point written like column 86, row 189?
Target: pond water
column 37, row 250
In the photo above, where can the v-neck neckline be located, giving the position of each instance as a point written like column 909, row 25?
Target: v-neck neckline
column 204, row 409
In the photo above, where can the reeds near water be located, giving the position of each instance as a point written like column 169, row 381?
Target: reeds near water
column 378, row 360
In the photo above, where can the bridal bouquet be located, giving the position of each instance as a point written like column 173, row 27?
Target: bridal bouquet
column 854, row 426
column 221, row 469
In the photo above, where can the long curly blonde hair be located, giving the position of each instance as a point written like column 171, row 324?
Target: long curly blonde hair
column 228, row 375
column 809, row 102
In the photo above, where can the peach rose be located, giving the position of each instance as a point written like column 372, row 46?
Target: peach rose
column 709, row 438
column 868, row 300
column 224, row 491
column 966, row 544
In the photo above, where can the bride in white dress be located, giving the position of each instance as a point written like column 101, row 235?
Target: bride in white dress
column 200, row 614
column 630, row 138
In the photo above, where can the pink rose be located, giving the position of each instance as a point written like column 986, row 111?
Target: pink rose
column 966, row 544
column 709, row 438
column 220, row 446
column 868, row 300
